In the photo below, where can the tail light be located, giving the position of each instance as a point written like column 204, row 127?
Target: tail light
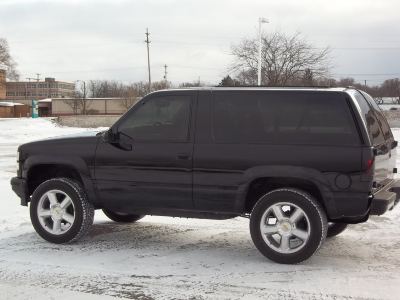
column 370, row 163
column 367, row 164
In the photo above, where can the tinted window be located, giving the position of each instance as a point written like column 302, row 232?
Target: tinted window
column 387, row 133
column 283, row 117
column 159, row 118
column 370, row 119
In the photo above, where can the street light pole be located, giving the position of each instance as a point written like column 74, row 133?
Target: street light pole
column 260, row 22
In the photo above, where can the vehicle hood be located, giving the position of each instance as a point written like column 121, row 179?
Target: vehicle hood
column 64, row 142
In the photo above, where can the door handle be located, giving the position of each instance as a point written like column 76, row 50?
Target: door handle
column 185, row 156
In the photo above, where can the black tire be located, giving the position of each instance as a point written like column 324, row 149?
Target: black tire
column 121, row 217
column 83, row 211
column 335, row 229
column 313, row 216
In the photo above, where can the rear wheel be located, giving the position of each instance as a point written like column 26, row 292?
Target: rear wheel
column 335, row 229
column 122, row 217
column 288, row 225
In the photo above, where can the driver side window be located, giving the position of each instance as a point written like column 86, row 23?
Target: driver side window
column 159, row 118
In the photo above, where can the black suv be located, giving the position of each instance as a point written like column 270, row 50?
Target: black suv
column 301, row 163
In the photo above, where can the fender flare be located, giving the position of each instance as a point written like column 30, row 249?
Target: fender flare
column 73, row 162
column 293, row 172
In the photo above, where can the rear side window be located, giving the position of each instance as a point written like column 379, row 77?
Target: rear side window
column 370, row 119
column 383, row 123
column 277, row 117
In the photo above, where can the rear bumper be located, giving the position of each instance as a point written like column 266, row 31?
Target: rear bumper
column 386, row 198
column 20, row 187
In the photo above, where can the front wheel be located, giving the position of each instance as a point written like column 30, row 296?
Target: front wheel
column 121, row 217
column 288, row 225
column 60, row 211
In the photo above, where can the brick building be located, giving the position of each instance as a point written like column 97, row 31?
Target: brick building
column 2, row 83
column 49, row 88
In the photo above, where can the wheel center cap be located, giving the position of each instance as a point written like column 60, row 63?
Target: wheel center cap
column 285, row 227
column 56, row 212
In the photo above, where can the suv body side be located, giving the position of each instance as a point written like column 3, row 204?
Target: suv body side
column 203, row 176
column 221, row 174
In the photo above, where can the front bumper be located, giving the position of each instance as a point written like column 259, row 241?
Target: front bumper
column 386, row 198
column 20, row 187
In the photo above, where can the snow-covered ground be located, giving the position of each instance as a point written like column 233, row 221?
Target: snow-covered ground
column 389, row 106
column 172, row 258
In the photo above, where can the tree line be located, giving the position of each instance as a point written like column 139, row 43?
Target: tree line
column 286, row 60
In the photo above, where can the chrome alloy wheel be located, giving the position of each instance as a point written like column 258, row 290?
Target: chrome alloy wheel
column 285, row 227
column 56, row 212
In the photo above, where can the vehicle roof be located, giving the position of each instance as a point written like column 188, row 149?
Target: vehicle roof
column 325, row 89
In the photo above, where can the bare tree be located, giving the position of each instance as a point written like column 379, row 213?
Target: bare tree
column 391, row 88
column 7, row 60
column 191, row 84
column 285, row 59
column 344, row 82
column 129, row 97
column 95, row 88
column 229, row 81
column 84, row 103
column 160, row 85
column 74, row 104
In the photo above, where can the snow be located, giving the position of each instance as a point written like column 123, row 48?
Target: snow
column 48, row 100
column 389, row 106
column 173, row 258
column 9, row 104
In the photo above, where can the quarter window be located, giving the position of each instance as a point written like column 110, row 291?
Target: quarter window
column 283, row 118
column 370, row 120
column 387, row 133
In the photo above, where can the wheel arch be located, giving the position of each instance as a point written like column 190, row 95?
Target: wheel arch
column 265, row 179
column 37, row 170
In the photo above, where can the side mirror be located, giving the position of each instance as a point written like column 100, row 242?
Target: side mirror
column 118, row 140
column 109, row 136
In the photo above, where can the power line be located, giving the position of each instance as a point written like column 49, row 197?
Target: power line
column 208, row 42
column 135, row 68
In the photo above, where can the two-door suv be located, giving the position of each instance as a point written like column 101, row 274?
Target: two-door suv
column 301, row 163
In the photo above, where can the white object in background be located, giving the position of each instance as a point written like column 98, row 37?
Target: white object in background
column 260, row 22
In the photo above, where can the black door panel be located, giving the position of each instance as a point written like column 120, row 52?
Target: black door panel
column 149, row 175
column 156, row 171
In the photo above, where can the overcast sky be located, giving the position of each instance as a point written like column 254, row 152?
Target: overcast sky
column 99, row 39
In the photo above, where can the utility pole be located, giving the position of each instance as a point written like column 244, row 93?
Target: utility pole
column 365, row 83
column 147, row 41
column 84, row 97
column 260, row 22
column 165, row 72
